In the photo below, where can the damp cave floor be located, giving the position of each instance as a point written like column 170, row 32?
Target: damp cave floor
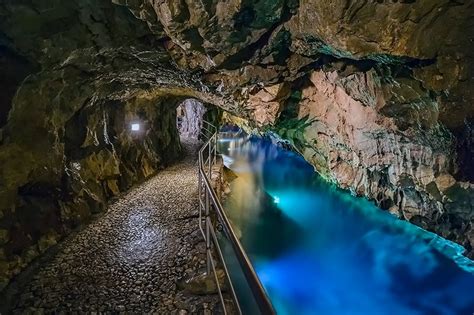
column 130, row 259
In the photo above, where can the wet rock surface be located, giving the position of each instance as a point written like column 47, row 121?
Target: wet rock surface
column 132, row 259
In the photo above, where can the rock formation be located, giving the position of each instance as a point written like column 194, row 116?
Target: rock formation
column 387, row 87
column 191, row 119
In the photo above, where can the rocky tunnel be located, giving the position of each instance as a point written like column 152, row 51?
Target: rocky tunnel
column 88, row 139
column 95, row 95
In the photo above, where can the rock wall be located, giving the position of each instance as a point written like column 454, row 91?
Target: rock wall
column 191, row 121
column 407, row 172
column 383, row 31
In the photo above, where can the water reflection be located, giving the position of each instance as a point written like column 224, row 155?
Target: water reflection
column 319, row 250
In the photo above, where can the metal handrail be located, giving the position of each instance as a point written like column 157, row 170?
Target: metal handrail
column 208, row 200
column 210, row 125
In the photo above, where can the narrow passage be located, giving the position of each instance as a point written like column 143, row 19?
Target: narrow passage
column 132, row 258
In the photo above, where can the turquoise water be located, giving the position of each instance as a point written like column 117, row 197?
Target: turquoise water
column 320, row 250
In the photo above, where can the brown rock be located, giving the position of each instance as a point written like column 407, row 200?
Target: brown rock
column 204, row 284
column 444, row 182
column 266, row 103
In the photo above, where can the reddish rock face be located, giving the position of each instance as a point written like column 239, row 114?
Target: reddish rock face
column 351, row 142
column 265, row 105
column 359, row 142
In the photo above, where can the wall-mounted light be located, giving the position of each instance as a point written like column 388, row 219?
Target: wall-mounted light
column 135, row 127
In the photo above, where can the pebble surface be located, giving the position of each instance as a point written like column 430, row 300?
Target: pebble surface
column 131, row 259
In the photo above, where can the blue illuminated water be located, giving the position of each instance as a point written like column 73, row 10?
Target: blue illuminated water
column 320, row 250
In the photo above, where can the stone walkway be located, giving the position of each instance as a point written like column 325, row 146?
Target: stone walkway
column 132, row 258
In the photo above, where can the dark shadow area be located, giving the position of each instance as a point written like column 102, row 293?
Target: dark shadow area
column 15, row 68
column 465, row 150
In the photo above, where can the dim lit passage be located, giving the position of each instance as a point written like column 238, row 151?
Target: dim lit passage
column 135, row 258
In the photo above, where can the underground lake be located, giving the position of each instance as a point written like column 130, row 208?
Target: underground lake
column 318, row 249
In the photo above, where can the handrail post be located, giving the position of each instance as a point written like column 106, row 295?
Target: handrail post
column 208, row 235
column 210, row 158
column 215, row 148
column 200, row 183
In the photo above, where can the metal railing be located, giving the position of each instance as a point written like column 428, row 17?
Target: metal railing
column 211, row 207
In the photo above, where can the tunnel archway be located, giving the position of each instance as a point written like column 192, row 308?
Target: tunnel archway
column 189, row 118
